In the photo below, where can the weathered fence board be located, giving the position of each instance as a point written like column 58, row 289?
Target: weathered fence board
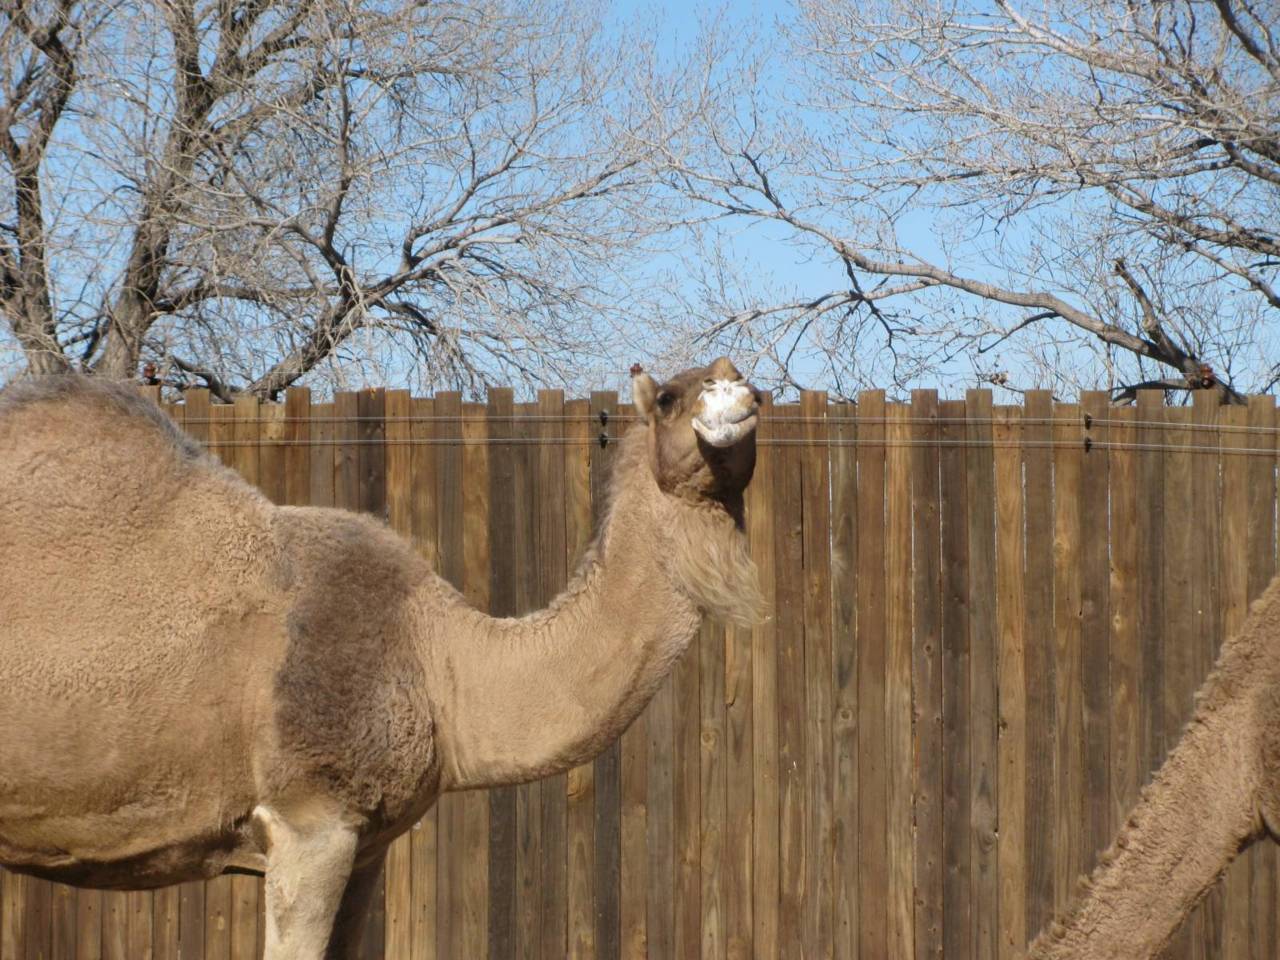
column 986, row 625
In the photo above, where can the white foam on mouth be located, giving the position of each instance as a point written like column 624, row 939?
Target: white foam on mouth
column 725, row 404
column 725, row 401
column 724, row 435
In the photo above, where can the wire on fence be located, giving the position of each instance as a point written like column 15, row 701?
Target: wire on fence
column 1084, row 421
column 1075, row 443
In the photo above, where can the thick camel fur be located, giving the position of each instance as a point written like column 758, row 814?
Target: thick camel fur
column 1216, row 794
column 193, row 680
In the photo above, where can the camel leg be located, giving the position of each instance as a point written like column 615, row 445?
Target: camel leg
column 309, row 865
column 1199, row 812
column 354, row 911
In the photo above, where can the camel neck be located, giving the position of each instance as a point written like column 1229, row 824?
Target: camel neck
column 519, row 699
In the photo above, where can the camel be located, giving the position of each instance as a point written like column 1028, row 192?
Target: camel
column 1215, row 795
column 195, row 681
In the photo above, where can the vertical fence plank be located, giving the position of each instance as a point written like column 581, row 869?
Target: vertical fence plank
column 191, row 895
column 926, row 672
column 297, row 450
column 372, row 493
column 983, row 647
column 62, row 942
column 873, row 760
column 580, row 787
column 1068, row 452
column 245, row 894
column 1126, row 694
column 191, row 909
column 816, row 490
column 502, row 603
column 633, row 875
column 346, row 451
column 739, row 827
column 739, row 785
column 244, row 438
column 1126, row 677
column 1179, row 619
column 88, row 925
column 686, row 804
column 115, row 923
column 398, row 461
column 1234, row 585
column 660, row 826
column 709, row 657
column 424, row 494
column 399, row 909
column 217, row 892
column 761, row 505
column 1095, row 601
column 217, row 920
column 273, row 433
column 530, row 855
column 166, row 942
column 424, row 524
column 370, row 490
column 901, row 763
column 12, row 927
column 476, row 588
column 608, row 773
column 1011, row 760
column 1151, row 437
column 242, row 914
column 322, row 452
column 553, row 550
column 42, row 921
column 1041, row 719
column 788, row 556
column 450, row 811
column 37, row 923
column 140, row 905
column 843, row 430
column 372, row 452
column 958, row 937
column 1206, row 619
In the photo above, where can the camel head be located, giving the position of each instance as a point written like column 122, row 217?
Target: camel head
column 702, row 432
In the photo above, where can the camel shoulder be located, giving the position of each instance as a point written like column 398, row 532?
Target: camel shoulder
column 349, row 705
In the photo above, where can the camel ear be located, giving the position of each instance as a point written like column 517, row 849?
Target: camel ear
column 644, row 392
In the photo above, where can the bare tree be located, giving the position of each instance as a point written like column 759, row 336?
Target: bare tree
column 244, row 191
column 1102, row 180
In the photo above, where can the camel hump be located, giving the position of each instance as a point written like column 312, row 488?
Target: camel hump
column 93, row 399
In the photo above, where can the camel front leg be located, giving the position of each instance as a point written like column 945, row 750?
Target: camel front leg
column 309, row 868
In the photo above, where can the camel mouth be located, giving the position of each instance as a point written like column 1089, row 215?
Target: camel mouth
column 726, row 412
column 727, row 432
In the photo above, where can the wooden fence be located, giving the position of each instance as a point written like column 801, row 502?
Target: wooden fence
column 988, row 625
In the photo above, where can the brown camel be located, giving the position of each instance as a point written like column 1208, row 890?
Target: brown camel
column 1216, row 793
column 195, row 681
